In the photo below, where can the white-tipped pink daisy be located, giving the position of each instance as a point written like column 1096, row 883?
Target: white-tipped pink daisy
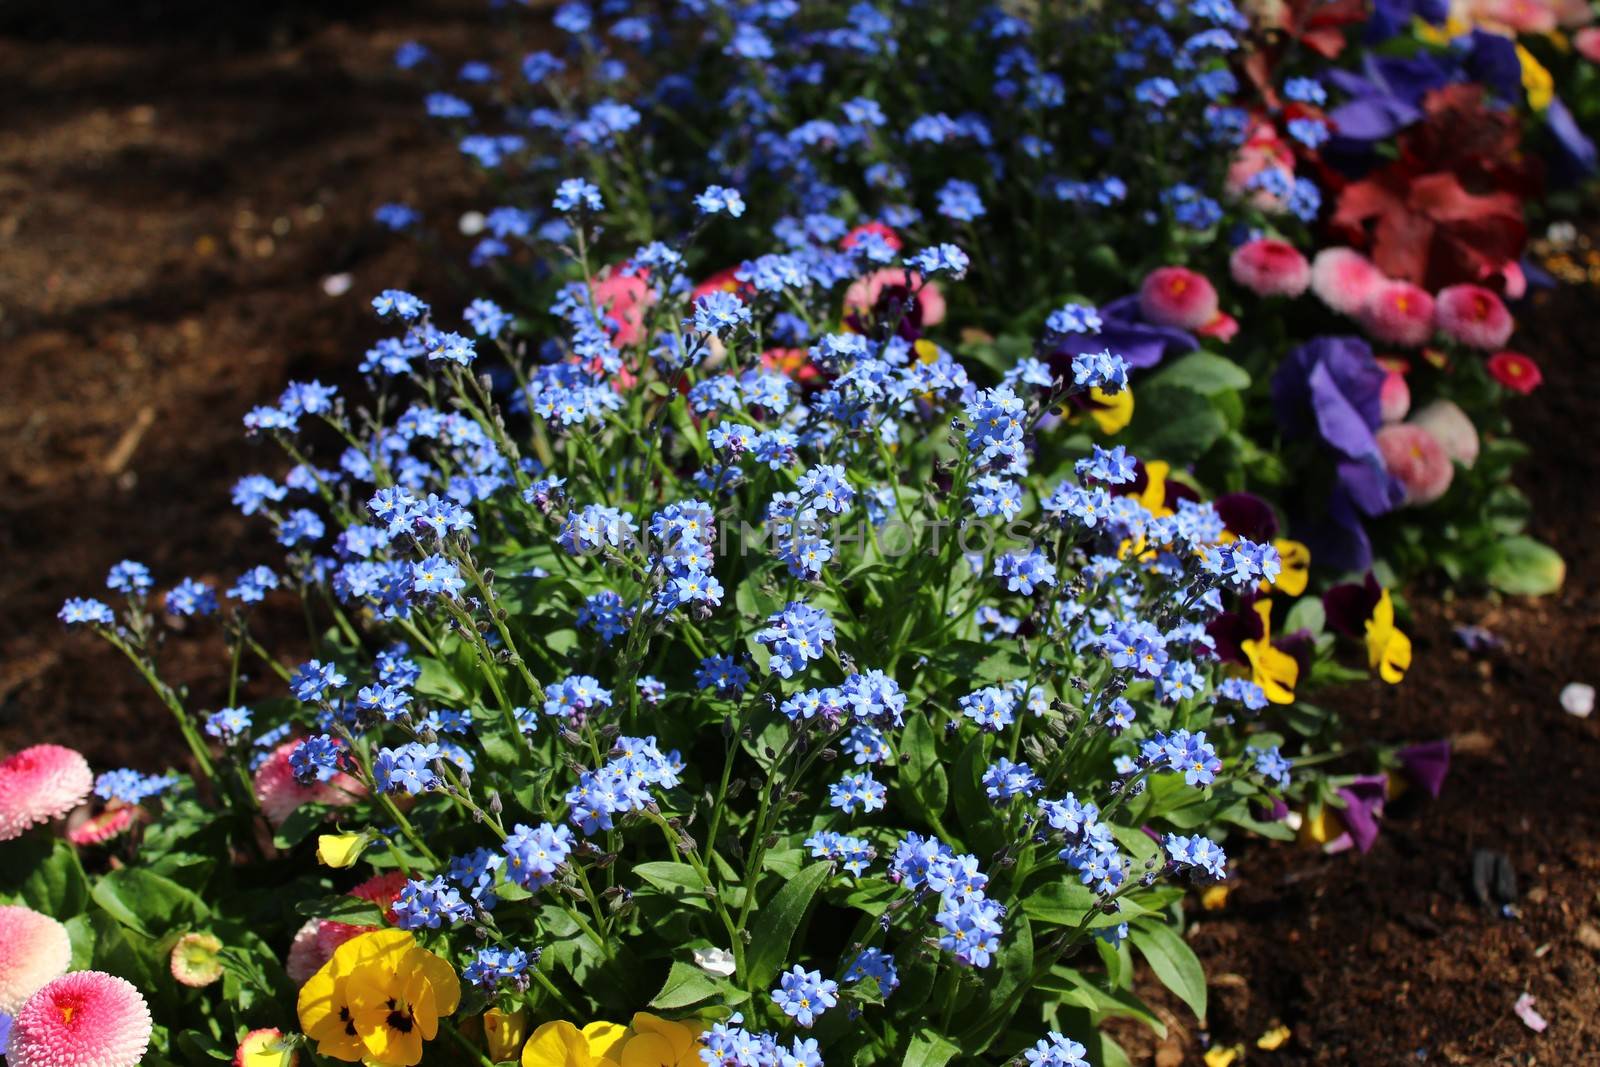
column 39, row 784
column 34, row 949
column 82, row 1019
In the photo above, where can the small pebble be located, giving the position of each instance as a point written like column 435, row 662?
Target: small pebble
column 1578, row 699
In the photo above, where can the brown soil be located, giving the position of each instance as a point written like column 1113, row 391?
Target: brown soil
column 176, row 181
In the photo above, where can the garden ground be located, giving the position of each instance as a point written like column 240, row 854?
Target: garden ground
column 179, row 182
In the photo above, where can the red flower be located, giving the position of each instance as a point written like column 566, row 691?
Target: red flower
column 1449, row 210
column 1515, row 371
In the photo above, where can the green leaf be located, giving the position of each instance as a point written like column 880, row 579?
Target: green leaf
column 44, row 874
column 1174, row 423
column 1074, row 987
column 148, row 903
column 1306, row 614
column 1525, row 567
column 1173, row 961
column 1059, row 903
column 1204, row 372
column 777, row 921
column 299, row 825
column 929, row 1049
column 687, row 986
column 922, row 778
column 677, row 880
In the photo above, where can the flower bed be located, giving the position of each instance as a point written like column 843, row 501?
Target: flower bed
column 789, row 662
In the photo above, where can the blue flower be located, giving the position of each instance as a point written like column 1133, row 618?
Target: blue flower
column 399, row 303
column 575, row 194
column 719, row 312
column 1005, row 780
column 436, row 574
column 535, row 854
column 430, row 904
column 959, row 200
column 804, row 995
column 1057, row 1050
column 190, row 598
column 855, row 791
column 720, row 200
column 79, row 610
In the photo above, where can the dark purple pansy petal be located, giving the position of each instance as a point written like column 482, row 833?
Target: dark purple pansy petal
column 1427, row 764
column 1363, row 799
column 1349, row 606
column 1247, row 515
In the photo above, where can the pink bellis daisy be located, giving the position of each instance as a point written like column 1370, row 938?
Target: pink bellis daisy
column 1178, row 297
column 1344, row 279
column 279, row 794
column 82, row 1019
column 1473, row 316
column 1418, row 460
column 34, row 949
column 1399, row 313
column 98, row 829
column 39, row 784
column 1270, row 267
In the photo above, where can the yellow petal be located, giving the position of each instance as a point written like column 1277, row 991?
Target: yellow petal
column 680, row 1035
column 1217, row 1056
column 557, row 1044
column 1273, row 1039
column 340, row 850
column 1296, row 569
column 1214, row 897
column 648, row 1050
column 1536, row 81
column 1117, row 411
column 440, row 975
column 503, row 1032
column 1396, row 658
column 602, row 1037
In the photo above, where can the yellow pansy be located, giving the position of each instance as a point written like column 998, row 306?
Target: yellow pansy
column 1154, row 494
column 1110, row 411
column 377, row 1000
column 1273, row 669
column 1295, row 571
column 1388, row 648
column 1319, row 827
column 656, row 1042
column 340, row 850
column 1441, row 36
column 1274, row 1039
column 1536, row 81
column 560, row 1044
column 650, row 1041
column 504, row 1032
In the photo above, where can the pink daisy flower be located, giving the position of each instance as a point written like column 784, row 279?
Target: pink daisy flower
column 1178, row 297
column 1587, row 42
column 1474, row 316
column 265, row 1048
column 306, row 956
column 1270, row 267
column 99, row 829
column 1399, row 313
column 1418, row 460
column 196, row 960
column 34, row 949
column 623, row 296
column 279, row 794
column 863, row 294
column 1452, row 428
column 82, row 1019
column 1394, row 397
column 39, row 784
column 1344, row 279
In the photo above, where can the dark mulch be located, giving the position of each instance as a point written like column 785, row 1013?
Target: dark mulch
column 176, row 180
